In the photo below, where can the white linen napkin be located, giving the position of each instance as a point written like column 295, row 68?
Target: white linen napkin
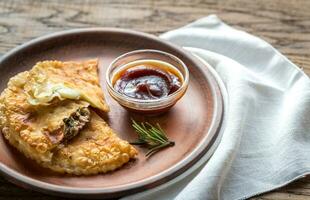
column 266, row 138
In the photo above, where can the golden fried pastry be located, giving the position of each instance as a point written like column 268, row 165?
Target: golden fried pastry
column 47, row 114
column 96, row 149
column 75, row 80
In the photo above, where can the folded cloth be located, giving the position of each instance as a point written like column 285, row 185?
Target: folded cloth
column 266, row 137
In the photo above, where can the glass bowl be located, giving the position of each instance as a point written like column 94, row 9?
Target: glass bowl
column 150, row 106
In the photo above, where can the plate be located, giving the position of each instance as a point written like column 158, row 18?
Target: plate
column 193, row 123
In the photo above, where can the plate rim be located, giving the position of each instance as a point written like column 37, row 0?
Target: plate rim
column 203, row 161
column 25, row 181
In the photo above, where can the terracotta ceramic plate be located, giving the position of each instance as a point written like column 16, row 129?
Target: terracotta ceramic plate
column 193, row 123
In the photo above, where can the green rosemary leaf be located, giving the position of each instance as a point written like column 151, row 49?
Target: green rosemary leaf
column 157, row 133
column 145, row 134
column 158, row 148
column 152, row 137
column 161, row 130
column 138, row 142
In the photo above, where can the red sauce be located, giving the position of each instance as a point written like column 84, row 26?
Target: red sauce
column 147, row 80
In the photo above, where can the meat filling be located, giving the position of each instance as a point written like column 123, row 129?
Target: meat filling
column 74, row 123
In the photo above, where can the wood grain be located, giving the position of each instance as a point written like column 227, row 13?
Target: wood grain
column 284, row 24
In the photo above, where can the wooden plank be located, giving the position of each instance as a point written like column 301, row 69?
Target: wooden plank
column 284, row 24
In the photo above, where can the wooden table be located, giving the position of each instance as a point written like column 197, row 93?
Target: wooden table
column 284, row 24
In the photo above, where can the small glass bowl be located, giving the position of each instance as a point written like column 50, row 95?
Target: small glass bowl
column 152, row 106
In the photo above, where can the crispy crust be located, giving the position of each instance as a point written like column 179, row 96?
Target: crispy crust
column 82, row 76
column 96, row 149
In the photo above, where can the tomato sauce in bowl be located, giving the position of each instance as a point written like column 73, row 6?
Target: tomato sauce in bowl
column 147, row 81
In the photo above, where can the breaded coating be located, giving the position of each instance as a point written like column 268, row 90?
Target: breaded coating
column 96, row 149
column 82, row 76
column 63, row 134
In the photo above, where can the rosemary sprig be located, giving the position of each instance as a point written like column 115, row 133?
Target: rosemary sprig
column 154, row 138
